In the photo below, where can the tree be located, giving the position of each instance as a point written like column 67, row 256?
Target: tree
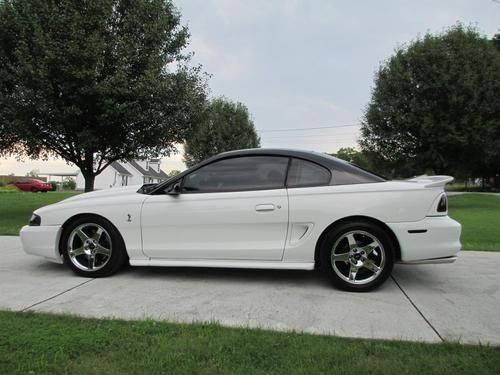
column 33, row 173
column 95, row 81
column 435, row 105
column 353, row 156
column 173, row 172
column 496, row 41
column 225, row 126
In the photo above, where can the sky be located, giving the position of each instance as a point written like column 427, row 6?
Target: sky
column 304, row 68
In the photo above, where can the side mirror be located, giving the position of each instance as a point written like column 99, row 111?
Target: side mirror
column 174, row 189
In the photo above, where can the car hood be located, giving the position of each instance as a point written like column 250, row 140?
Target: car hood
column 111, row 192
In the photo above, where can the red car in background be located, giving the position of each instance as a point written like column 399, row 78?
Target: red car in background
column 33, row 185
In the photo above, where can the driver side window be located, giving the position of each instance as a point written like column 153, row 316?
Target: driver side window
column 238, row 174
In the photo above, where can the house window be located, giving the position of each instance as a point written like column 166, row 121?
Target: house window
column 124, row 180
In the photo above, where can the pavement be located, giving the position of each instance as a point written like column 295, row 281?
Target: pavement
column 430, row 303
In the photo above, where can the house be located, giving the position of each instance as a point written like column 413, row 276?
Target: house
column 134, row 172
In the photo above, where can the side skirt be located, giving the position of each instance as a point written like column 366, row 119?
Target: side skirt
column 223, row 264
column 444, row 260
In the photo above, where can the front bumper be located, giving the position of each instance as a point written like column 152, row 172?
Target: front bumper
column 432, row 238
column 42, row 241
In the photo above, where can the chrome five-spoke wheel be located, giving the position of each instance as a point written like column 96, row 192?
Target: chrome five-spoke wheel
column 89, row 247
column 93, row 247
column 357, row 256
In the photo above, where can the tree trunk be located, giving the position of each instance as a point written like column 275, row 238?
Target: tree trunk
column 87, row 170
column 89, row 181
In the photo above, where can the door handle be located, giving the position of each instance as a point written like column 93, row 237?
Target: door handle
column 264, row 207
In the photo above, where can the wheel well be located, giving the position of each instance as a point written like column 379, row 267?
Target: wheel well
column 379, row 223
column 80, row 216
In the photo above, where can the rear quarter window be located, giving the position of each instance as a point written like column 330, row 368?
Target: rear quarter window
column 354, row 175
column 304, row 173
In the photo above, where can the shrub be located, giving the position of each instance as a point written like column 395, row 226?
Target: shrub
column 54, row 185
column 69, row 184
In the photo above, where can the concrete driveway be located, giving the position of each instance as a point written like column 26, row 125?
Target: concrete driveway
column 433, row 303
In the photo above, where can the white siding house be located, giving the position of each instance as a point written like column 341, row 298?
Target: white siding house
column 134, row 172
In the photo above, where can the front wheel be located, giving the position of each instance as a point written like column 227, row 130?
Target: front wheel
column 357, row 256
column 92, row 247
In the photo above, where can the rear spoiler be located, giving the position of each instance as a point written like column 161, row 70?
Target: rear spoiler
column 431, row 181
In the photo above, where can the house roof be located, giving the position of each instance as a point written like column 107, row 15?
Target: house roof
column 149, row 172
column 120, row 168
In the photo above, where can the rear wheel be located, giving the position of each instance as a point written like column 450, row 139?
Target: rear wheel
column 92, row 247
column 357, row 256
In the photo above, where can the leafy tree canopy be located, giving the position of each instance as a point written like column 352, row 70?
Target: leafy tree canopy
column 435, row 106
column 95, row 81
column 225, row 126
column 352, row 156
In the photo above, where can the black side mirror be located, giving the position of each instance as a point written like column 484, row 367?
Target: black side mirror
column 174, row 189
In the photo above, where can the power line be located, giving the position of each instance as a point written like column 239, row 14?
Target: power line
column 308, row 139
column 301, row 129
column 288, row 136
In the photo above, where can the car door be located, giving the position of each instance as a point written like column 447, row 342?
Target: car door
column 232, row 209
column 23, row 185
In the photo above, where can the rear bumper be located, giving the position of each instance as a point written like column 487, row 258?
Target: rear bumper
column 428, row 240
column 42, row 241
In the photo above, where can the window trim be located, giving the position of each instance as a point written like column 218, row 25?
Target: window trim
column 329, row 183
column 181, row 180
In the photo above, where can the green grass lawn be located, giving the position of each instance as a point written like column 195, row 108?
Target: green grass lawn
column 479, row 215
column 40, row 343
column 16, row 207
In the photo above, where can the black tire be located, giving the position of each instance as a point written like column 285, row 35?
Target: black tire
column 34, row 190
column 43, row 191
column 364, row 256
column 93, row 262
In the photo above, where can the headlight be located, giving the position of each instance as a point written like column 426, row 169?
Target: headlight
column 35, row 220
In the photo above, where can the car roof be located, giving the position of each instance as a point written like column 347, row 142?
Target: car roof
column 330, row 162
column 326, row 160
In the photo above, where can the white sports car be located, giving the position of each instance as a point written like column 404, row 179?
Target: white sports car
column 259, row 208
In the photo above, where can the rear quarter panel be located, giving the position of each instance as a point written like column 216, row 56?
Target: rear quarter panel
column 318, row 207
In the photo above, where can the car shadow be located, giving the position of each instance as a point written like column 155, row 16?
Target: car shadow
column 230, row 275
column 273, row 277
column 44, row 266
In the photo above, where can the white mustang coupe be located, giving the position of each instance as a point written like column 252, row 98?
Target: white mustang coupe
column 258, row 208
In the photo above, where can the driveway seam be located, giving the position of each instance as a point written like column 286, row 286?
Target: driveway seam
column 418, row 310
column 56, row 295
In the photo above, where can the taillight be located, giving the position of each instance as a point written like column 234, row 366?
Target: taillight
column 443, row 204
